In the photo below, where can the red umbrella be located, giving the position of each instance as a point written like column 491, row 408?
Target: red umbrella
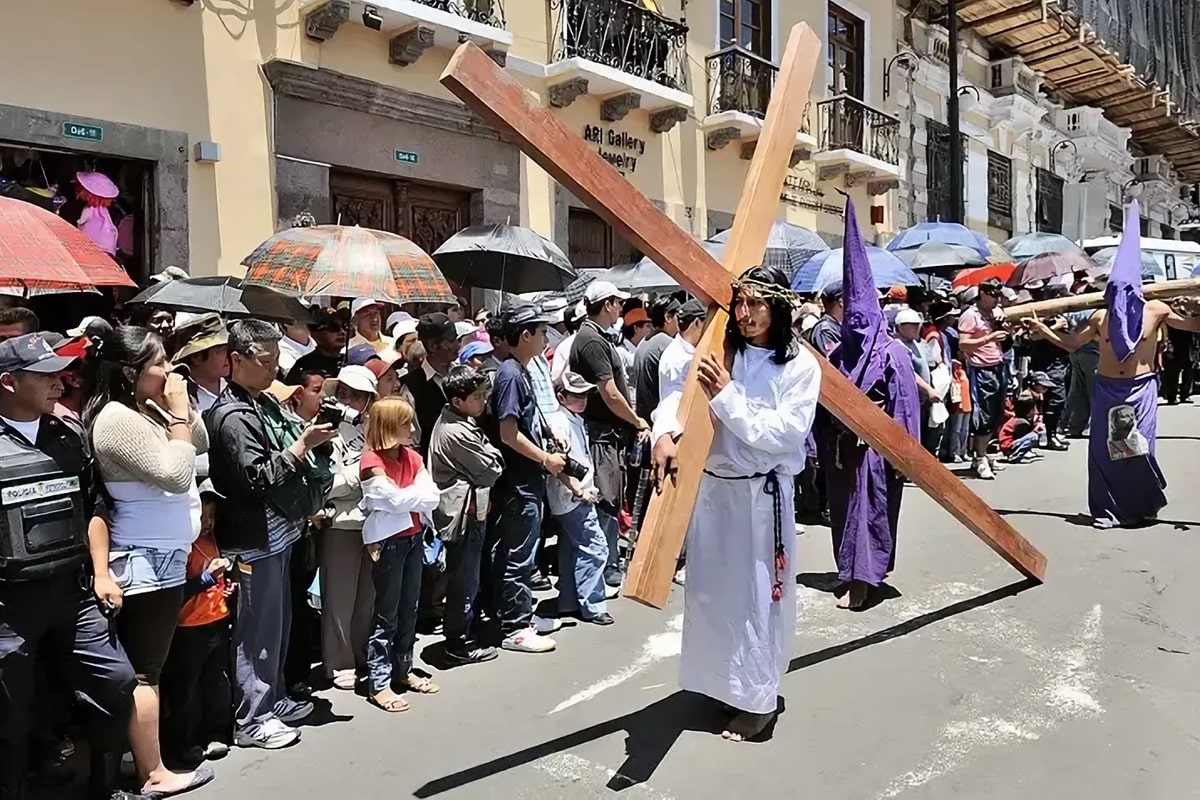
column 974, row 277
column 346, row 261
column 39, row 250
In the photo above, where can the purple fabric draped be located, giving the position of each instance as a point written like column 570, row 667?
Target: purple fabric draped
column 864, row 491
column 1125, row 483
column 1123, row 295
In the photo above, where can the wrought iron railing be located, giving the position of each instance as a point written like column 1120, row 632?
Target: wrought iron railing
column 623, row 35
column 739, row 80
column 487, row 12
column 999, row 178
column 846, row 123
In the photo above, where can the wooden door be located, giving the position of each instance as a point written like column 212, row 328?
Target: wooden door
column 592, row 243
column 364, row 201
column 429, row 215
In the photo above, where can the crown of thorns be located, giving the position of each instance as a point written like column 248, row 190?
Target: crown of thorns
column 764, row 290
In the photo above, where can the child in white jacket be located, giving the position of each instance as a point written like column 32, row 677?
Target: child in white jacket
column 399, row 497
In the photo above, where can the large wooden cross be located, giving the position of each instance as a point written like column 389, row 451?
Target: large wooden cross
column 519, row 117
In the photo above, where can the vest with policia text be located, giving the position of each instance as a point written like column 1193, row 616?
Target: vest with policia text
column 43, row 498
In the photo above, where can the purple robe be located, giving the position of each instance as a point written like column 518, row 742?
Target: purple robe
column 864, row 490
column 1125, row 483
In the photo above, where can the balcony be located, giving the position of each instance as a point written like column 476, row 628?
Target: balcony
column 416, row 25
column 1099, row 143
column 623, row 53
column 739, row 89
column 859, row 142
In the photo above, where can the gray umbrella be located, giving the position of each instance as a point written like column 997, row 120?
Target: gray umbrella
column 505, row 257
column 225, row 296
column 788, row 246
column 644, row 276
column 1035, row 244
column 1104, row 262
column 935, row 255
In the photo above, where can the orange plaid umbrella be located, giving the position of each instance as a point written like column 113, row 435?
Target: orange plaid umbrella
column 40, row 250
column 345, row 261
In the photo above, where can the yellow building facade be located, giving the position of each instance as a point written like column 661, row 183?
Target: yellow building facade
column 220, row 121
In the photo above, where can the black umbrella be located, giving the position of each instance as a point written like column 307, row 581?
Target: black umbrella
column 224, row 295
column 505, row 257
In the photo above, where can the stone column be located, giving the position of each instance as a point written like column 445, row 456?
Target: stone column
column 301, row 186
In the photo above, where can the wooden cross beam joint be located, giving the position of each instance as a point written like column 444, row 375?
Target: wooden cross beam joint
column 521, row 118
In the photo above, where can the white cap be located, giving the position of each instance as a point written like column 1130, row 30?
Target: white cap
column 171, row 273
column 81, row 328
column 906, row 315
column 360, row 303
column 574, row 383
column 808, row 322
column 558, row 316
column 463, row 328
column 397, row 316
column 603, row 290
column 403, row 328
column 358, row 378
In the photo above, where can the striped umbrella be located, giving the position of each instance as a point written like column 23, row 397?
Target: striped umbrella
column 40, row 250
column 346, row 261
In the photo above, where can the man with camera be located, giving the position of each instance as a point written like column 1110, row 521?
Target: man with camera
column 516, row 519
column 270, row 488
column 43, row 596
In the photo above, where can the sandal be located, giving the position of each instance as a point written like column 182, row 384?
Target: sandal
column 389, row 702
column 420, row 685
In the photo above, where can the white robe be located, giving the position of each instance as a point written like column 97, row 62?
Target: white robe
column 736, row 639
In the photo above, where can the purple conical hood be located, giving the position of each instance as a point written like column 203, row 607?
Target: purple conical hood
column 863, row 352
column 1123, row 295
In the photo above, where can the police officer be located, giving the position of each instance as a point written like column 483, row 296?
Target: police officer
column 45, row 506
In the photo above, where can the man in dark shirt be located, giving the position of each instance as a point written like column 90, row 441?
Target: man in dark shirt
column 518, row 497
column 611, row 421
column 664, row 316
column 437, row 335
column 329, row 333
column 827, row 333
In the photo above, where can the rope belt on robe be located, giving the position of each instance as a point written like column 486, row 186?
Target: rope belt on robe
column 770, row 487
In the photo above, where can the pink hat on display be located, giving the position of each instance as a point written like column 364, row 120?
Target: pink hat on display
column 98, row 183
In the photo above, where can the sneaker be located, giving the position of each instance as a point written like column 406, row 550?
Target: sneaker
column 995, row 464
column 983, row 470
column 540, row 583
column 680, row 576
column 601, row 619
column 290, row 711
column 270, row 735
column 613, row 576
column 611, row 592
column 544, row 625
column 469, row 653
column 527, row 640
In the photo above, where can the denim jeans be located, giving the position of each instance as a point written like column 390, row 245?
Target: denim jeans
column 612, row 530
column 397, row 579
column 955, row 440
column 1022, row 446
column 261, row 629
column 517, row 524
column 464, row 559
column 582, row 554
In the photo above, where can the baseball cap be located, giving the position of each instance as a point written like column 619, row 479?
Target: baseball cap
column 329, row 318
column 603, row 290
column 356, row 377
column 472, row 349
column 907, row 316
column 574, row 383
column 463, row 328
column 360, row 303
column 31, row 353
column 690, row 311
column 898, row 293
column 397, row 317
column 81, row 328
column 991, row 286
column 525, row 314
column 171, row 273
column 207, row 489
column 635, row 316
column 1040, row 378
column 436, row 327
column 360, row 354
column 832, row 291
column 203, row 333
column 404, row 327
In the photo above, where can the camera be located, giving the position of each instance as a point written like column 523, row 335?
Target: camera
column 573, row 469
column 334, row 413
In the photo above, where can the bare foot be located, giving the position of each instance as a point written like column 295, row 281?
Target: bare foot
column 853, row 596
column 164, row 783
column 746, row 726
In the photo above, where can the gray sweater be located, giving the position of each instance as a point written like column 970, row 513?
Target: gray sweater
column 461, row 461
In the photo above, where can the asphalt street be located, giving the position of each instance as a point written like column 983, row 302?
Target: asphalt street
column 966, row 683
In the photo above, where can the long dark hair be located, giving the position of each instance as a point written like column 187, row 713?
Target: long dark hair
column 113, row 350
column 782, row 337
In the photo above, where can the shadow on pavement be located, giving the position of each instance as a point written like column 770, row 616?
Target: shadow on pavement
column 1085, row 521
column 653, row 731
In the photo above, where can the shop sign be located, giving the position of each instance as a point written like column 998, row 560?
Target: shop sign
column 78, row 130
column 406, row 157
column 616, row 147
column 802, row 192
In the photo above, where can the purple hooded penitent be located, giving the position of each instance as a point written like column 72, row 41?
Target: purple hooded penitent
column 1123, row 295
column 864, row 492
column 863, row 352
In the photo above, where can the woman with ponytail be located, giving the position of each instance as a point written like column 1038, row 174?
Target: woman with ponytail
column 144, row 438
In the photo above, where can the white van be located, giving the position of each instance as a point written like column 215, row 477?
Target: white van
column 1176, row 259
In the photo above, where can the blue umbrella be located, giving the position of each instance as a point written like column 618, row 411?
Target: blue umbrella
column 823, row 269
column 1026, row 246
column 941, row 232
column 788, row 246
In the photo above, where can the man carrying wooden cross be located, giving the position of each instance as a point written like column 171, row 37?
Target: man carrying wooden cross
column 740, row 598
